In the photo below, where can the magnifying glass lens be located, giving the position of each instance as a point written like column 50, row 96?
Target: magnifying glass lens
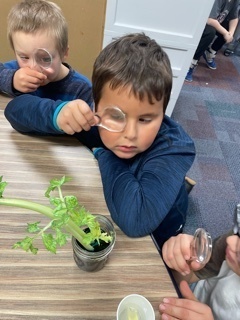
column 201, row 246
column 43, row 58
column 112, row 119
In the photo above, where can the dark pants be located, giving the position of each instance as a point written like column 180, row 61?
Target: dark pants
column 207, row 37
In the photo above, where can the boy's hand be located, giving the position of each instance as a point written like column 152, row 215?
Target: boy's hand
column 188, row 308
column 28, row 80
column 228, row 37
column 75, row 116
column 176, row 253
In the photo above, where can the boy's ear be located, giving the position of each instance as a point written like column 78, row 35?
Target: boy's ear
column 66, row 54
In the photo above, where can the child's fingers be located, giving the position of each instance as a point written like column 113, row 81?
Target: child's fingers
column 175, row 253
column 186, row 291
column 85, row 112
column 188, row 308
column 182, row 309
column 75, row 116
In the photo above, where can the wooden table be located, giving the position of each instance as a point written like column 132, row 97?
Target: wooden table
column 48, row 286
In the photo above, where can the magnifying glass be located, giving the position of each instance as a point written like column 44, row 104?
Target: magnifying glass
column 201, row 246
column 43, row 58
column 236, row 229
column 236, row 220
column 112, row 119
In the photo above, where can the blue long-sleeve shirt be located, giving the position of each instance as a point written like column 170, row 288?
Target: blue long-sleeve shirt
column 147, row 194
column 6, row 79
column 144, row 194
column 73, row 86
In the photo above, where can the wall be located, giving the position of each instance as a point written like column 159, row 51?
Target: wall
column 86, row 22
column 176, row 25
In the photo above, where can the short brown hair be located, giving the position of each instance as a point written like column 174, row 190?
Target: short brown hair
column 134, row 60
column 31, row 16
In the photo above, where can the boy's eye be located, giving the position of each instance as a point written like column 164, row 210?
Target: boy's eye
column 24, row 58
column 46, row 60
column 145, row 120
column 116, row 116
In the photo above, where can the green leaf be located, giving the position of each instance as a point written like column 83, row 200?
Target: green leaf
column 34, row 250
column 49, row 242
column 71, row 202
column 59, row 213
column 57, row 224
column 61, row 238
column 33, row 227
column 2, row 186
column 55, row 183
column 106, row 237
column 56, row 201
column 26, row 244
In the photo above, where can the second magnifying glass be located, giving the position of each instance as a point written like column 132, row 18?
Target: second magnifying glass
column 43, row 58
column 112, row 119
column 201, row 246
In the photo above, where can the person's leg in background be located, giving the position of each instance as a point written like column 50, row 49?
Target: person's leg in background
column 210, row 54
column 232, row 46
column 207, row 37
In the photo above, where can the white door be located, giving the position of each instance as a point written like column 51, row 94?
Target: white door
column 176, row 25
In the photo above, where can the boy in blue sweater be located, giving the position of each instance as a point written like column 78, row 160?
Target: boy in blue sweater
column 143, row 164
column 38, row 35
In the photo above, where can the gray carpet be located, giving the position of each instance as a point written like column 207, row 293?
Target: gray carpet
column 209, row 110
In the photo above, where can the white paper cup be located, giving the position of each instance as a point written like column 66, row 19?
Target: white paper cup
column 135, row 307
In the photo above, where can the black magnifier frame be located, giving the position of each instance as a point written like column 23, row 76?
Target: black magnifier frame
column 236, row 221
column 236, row 229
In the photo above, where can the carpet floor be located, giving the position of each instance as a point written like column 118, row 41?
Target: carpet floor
column 209, row 110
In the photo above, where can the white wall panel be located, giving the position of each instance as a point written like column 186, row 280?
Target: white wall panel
column 176, row 25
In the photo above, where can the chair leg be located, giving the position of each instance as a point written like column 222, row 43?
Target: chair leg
column 189, row 183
